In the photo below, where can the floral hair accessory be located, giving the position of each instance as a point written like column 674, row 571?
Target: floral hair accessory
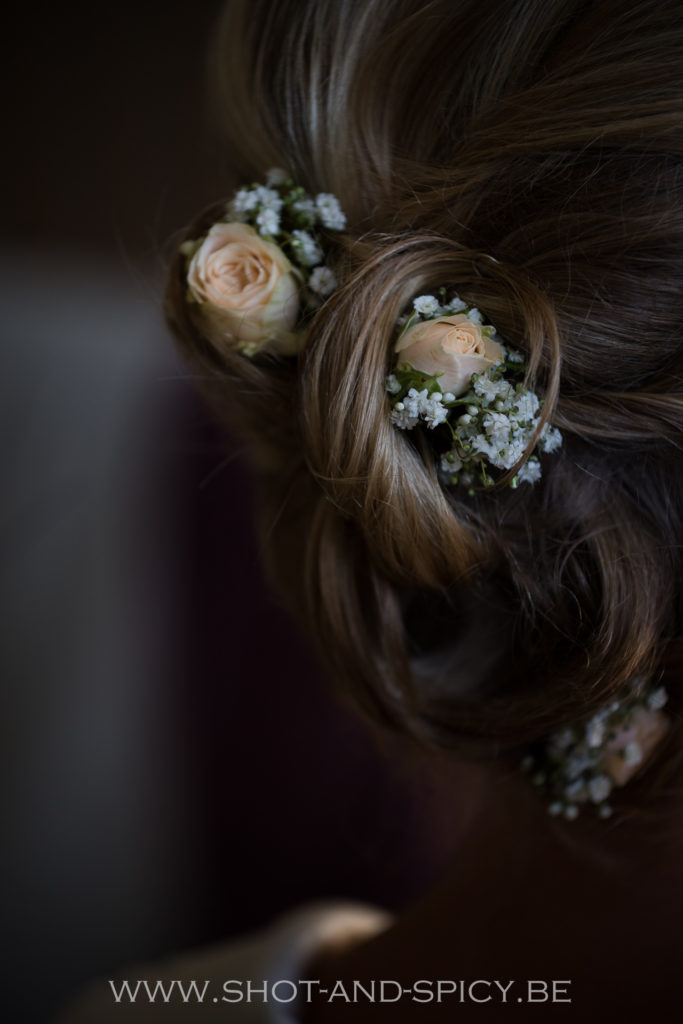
column 583, row 763
column 455, row 373
column 262, row 266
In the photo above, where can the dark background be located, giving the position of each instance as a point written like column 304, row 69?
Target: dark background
column 176, row 770
column 109, row 141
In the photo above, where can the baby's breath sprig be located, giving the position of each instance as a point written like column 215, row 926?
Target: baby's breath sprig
column 582, row 763
column 257, row 272
column 455, row 373
column 284, row 213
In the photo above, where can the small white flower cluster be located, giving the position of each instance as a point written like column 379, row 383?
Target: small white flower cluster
column 492, row 424
column 306, row 211
column 322, row 281
column 429, row 307
column 330, row 212
column 569, row 765
column 285, row 214
column 499, row 422
column 257, row 200
column 420, row 405
column 307, row 249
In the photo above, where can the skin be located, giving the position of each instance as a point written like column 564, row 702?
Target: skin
column 601, row 908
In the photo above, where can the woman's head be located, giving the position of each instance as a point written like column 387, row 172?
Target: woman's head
column 529, row 155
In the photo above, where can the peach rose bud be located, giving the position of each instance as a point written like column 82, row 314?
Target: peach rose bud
column 628, row 750
column 452, row 346
column 246, row 288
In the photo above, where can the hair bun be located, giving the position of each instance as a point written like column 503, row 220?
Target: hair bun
column 384, row 479
column 555, row 209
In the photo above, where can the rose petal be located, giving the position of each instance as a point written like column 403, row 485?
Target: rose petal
column 452, row 347
column 246, row 288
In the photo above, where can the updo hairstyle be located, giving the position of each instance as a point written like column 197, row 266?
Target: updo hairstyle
column 528, row 153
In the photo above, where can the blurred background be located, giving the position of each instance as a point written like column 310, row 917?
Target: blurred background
column 176, row 770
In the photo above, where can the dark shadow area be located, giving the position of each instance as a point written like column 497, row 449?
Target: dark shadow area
column 176, row 769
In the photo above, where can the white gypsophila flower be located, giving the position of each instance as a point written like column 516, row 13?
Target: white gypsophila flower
column 307, row 209
column 433, row 411
column 411, row 404
column 657, row 699
column 450, row 463
column 530, row 472
column 475, row 316
column 599, row 788
column 425, row 402
column 494, row 456
column 633, row 755
column 323, row 282
column 414, row 402
column 513, row 356
column 505, row 401
column 595, row 732
column 456, row 305
column 245, row 201
column 578, row 762
column 268, row 221
column 330, row 211
column 550, row 439
column 426, row 305
column 392, row 385
column 511, row 453
column 276, row 176
column 555, row 808
column 449, row 397
column 403, row 418
column 481, row 446
column 497, row 458
column 526, row 405
column 487, row 389
column 307, row 249
column 497, row 427
column 268, row 198
column 571, row 812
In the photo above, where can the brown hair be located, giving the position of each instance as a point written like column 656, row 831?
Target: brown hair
column 527, row 152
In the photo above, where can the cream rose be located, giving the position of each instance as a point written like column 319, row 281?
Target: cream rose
column 247, row 288
column 452, row 346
